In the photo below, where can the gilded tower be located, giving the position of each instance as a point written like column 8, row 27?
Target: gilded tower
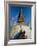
column 20, row 17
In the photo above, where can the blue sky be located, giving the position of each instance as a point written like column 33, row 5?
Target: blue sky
column 13, row 14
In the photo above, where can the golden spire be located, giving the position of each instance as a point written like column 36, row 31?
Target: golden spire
column 20, row 18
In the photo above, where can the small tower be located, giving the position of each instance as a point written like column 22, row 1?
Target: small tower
column 20, row 17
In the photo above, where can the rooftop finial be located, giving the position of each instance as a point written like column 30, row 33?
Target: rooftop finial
column 21, row 11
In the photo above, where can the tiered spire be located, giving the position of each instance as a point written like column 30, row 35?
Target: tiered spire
column 20, row 17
